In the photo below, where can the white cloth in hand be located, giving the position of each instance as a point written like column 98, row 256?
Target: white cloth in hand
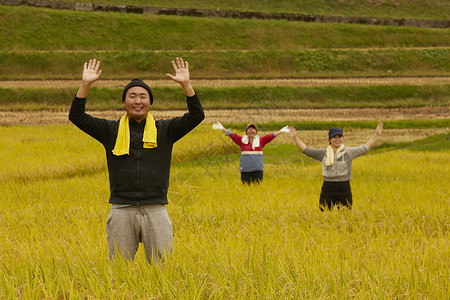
column 285, row 129
column 217, row 125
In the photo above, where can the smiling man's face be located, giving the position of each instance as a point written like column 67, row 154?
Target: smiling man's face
column 137, row 103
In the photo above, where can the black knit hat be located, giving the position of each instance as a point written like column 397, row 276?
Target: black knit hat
column 137, row 82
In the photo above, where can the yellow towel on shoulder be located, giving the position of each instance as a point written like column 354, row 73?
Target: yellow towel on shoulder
column 123, row 136
column 330, row 154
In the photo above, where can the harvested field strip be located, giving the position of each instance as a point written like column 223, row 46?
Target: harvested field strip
column 260, row 116
column 218, row 83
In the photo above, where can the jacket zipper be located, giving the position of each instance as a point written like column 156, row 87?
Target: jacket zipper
column 137, row 173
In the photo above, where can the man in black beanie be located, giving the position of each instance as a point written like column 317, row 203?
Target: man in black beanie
column 138, row 153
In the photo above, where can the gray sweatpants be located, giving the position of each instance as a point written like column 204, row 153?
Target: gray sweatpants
column 127, row 226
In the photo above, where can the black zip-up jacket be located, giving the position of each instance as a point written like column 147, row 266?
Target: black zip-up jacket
column 142, row 177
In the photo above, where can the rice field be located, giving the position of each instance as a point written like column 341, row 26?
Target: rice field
column 231, row 241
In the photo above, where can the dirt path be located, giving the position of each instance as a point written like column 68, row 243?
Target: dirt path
column 236, row 82
column 314, row 138
column 255, row 115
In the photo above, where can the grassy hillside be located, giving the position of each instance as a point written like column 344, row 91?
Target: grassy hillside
column 222, row 98
column 419, row 9
column 27, row 28
column 53, row 44
column 42, row 43
column 230, row 64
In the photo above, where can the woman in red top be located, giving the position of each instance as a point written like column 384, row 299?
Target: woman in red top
column 251, row 163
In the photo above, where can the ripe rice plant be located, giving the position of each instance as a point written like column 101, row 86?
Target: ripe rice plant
column 231, row 241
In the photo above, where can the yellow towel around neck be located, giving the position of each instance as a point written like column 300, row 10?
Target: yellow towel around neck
column 330, row 154
column 123, row 135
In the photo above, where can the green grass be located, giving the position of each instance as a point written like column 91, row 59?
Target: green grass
column 53, row 44
column 231, row 241
column 230, row 64
column 440, row 142
column 29, row 99
column 325, row 125
column 430, row 9
column 45, row 29
column 234, row 64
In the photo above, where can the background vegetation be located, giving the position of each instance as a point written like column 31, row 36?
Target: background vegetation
column 241, row 97
column 39, row 44
column 46, row 29
column 232, row 64
column 428, row 9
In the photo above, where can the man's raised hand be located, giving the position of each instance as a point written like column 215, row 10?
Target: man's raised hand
column 181, row 69
column 91, row 71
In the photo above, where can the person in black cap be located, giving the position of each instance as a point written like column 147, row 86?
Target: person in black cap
column 138, row 153
column 336, row 165
column 251, row 163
